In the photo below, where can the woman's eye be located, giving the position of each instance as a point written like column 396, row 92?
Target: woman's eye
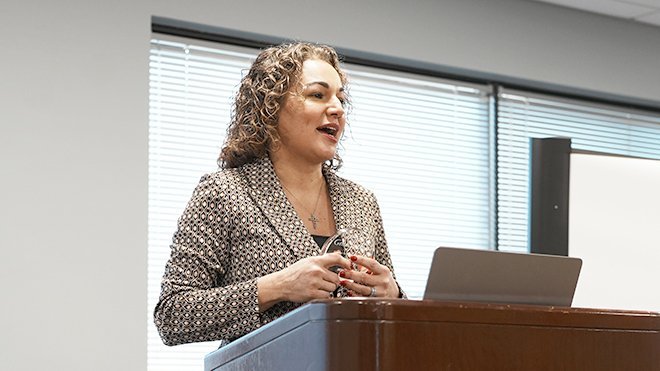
column 317, row 95
column 342, row 101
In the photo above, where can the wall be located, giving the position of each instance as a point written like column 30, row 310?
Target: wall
column 73, row 139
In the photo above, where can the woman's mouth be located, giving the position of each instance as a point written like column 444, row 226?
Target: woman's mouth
column 329, row 130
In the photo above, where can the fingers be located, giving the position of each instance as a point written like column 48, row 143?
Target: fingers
column 332, row 259
column 326, row 277
column 373, row 274
column 320, row 287
column 311, row 278
column 358, row 282
column 371, row 264
column 319, row 274
column 321, row 294
column 359, row 289
column 327, row 286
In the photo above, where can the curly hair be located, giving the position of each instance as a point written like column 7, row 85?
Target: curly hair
column 252, row 131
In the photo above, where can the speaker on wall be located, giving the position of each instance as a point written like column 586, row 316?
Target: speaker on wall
column 549, row 195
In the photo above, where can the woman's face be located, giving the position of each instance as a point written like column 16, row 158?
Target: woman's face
column 311, row 121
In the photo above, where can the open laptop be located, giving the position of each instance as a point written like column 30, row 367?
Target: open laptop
column 502, row 277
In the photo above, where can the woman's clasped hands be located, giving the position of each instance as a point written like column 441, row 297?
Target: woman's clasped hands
column 311, row 278
column 307, row 279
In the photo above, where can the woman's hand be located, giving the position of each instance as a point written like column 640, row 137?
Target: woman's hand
column 374, row 279
column 306, row 279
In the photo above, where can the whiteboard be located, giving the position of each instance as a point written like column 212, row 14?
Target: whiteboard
column 614, row 226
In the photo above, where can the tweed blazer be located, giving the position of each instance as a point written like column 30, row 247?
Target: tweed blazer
column 237, row 227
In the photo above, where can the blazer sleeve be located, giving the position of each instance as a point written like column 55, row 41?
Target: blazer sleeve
column 193, row 306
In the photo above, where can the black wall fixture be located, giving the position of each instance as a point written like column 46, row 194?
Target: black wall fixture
column 550, row 172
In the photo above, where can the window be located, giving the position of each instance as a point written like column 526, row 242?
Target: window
column 421, row 144
column 593, row 127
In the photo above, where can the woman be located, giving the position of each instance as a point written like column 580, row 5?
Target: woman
column 246, row 250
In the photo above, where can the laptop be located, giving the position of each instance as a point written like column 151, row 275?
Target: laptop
column 502, row 277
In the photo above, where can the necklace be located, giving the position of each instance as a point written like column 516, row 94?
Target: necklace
column 312, row 218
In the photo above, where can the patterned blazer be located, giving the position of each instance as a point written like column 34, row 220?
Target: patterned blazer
column 237, row 227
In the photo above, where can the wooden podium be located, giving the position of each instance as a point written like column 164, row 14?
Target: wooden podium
column 372, row 334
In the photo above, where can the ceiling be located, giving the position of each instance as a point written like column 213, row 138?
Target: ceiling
column 645, row 11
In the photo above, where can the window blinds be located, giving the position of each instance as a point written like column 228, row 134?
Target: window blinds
column 591, row 126
column 423, row 145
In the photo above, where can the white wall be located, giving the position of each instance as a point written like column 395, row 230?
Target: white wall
column 73, row 139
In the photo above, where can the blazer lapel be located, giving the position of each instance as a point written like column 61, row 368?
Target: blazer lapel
column 339, row 200
column 347, row 215
column 265, row 189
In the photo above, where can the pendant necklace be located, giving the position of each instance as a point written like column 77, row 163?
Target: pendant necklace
column 312, row 218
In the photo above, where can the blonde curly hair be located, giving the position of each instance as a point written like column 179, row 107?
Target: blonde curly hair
column 252, row 132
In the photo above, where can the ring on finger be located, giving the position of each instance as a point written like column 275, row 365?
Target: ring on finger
column 373, row 292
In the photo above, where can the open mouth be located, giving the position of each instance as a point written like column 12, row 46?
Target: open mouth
column 331, row 130
column 328, row 130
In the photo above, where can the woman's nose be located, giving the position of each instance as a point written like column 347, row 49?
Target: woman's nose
column 336, row 108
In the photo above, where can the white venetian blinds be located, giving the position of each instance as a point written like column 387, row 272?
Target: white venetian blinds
column 423, row 145
column 591, row 126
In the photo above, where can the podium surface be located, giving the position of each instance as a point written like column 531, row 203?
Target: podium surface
column 373, row 334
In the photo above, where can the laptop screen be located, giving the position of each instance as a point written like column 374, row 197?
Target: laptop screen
column 502, row 277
